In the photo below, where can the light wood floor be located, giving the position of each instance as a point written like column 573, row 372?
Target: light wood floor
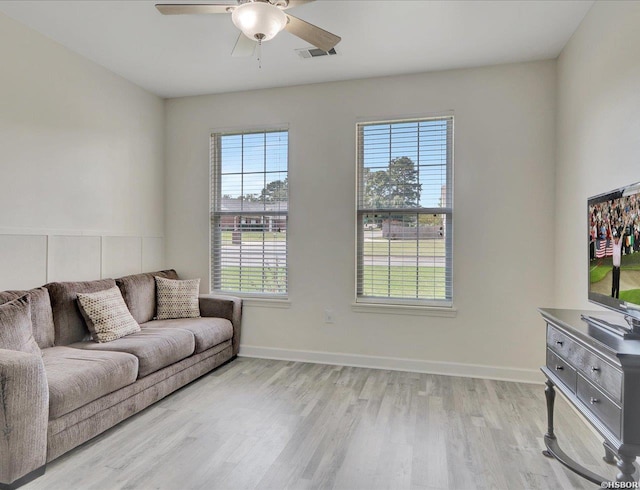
column 274, row 424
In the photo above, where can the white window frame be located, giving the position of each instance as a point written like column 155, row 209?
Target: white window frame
column 215, row 214
column 447, row 211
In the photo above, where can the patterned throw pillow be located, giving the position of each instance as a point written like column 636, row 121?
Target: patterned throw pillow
column 107, row 315
column 15, row 326
column 177, row 299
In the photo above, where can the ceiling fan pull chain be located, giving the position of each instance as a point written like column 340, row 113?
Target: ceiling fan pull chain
column 260, row 54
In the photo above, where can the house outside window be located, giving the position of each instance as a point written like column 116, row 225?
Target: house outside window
column 405, row 212
column 249, row 212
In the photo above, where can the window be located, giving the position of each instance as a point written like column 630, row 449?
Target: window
column 249, row 211
column 405, row 212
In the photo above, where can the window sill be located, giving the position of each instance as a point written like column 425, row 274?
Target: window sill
column 266, row 303
column 404, row 310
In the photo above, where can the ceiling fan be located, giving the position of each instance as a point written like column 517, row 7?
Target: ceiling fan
column 259, row 20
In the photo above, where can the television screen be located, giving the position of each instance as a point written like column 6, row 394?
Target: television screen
column 614, row 250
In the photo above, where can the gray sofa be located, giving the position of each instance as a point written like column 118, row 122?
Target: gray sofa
column 78, row 388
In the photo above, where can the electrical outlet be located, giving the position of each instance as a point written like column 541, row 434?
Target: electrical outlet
column 329, row 316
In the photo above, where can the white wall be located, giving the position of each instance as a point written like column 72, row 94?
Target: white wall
column 83, row 190
column 598, row 131
column 81, row 161
column 504, row 207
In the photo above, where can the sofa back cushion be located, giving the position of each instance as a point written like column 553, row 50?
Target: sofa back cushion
column 67, row 319
column 15, row 326
column 41, row 315
column 139, row 293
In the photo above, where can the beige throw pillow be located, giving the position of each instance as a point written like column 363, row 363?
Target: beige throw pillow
column 107, row 315
column 16, row 332
column 177, row 299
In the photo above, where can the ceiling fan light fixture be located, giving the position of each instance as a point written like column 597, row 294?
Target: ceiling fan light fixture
column 259, row 20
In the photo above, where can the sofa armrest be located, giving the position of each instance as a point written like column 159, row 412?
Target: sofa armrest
column 24, row 414
column 229, row 307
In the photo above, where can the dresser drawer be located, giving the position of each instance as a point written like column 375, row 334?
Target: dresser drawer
column 560, row 343
column 600, row 405
column 599, row 372
column 562, row 370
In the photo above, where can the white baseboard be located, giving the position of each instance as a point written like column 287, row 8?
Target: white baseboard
column 396, row 364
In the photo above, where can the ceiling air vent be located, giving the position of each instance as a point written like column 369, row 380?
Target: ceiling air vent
column 307, row 53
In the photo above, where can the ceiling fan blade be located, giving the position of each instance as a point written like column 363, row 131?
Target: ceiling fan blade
column 312, row 34
column 183, row 8
column 244, row 47
column 295, row 3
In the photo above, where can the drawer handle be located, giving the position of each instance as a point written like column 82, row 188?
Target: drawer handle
column 559, row 342
column 559, row 368
column 593, row 401
column 594, row 369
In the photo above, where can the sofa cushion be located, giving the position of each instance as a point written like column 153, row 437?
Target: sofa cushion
column 155, row 348
column 139, row 293
column 78, row 377
column 41, row 315
column 177, row 299
column 67, row 319
column 208, row 332
column 106, row 315
column 15, row 326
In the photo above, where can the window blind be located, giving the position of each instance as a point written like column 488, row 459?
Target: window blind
column 405, row 211
column 249, row 212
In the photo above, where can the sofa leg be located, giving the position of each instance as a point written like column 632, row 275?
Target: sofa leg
column 25, row 479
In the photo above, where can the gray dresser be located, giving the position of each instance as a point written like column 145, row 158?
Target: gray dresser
column 599, row 373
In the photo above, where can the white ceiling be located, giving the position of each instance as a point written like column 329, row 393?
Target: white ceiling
column 175, row 56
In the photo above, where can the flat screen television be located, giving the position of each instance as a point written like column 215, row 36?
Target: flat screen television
column 614, row 253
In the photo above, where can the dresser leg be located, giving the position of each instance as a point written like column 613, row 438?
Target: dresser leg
column 626, row 467
column 550, row 394
column 609, row 454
